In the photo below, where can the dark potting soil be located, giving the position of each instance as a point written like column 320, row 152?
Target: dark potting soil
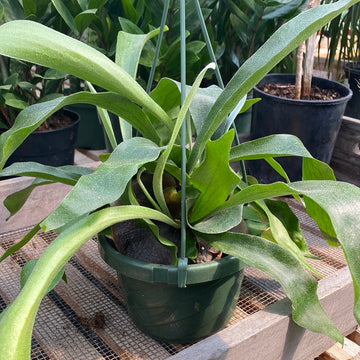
column 138, row 242
column 288, row 91
column 56, row 121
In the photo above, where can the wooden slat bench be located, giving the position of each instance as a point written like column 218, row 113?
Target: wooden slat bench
column 350, row 350
column 86, row 319
column 346, row 156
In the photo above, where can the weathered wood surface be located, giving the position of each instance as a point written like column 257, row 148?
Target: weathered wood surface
column 41, row 202
column 270, row 334
column 350, row 350
column 92, row 288
column 257, row 331
column 346, row 156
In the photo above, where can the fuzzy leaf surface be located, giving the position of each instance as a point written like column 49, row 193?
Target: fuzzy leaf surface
column 213, row 178
column 335, row 207
column 33, row 116
column 17, row 320
column 296, row 282
column 106, row 184
column 19, row 38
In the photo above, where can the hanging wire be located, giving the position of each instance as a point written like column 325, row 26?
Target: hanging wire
column 208, row 44
column 157, row 49
column 182, row 263
column 217, row 74
column 158, row 45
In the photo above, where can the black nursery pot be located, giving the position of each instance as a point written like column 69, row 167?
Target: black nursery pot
column 52, row 147
column 90, row 132
column 315, row 122
column 162, row 310
column 352, row 72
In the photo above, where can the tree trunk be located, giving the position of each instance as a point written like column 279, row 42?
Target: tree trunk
column 304, row 87
column 299, row 64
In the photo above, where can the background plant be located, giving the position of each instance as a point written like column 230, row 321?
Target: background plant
column 241, row 27
column 342, row 35
column 23, row 83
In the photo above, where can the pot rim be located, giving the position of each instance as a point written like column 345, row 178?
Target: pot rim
column 352, row 67
column 148, row 272
column 335, row 85
column 75, row 123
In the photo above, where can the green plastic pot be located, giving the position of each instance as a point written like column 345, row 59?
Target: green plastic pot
column 162, row 310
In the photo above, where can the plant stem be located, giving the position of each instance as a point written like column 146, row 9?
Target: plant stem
column 3, row 69
column 252, row 40
column 309, row 58
column 145, row 191
column 309, row 65
column 158, row 45
column 299, row 64
column 3, row 112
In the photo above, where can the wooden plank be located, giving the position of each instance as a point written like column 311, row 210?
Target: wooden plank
column 81, row 158
column 86, row 300
column 346, row 156
column 55, row 334
column 349, row 351
column 351, row 348
column 355, row 336
column 41, row 202
column 271, row 334
column 92, row 154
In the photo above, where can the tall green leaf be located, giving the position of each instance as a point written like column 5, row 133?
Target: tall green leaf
column 33, row 116
column 296, row 282
column 129, row 10
column 18, row 39
column 108, row 182
column 213, row 178
column 65, row 14
column 18, row 319
column 129, row 48
column 268, row 147
column 84, row 19
column 127, row 56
